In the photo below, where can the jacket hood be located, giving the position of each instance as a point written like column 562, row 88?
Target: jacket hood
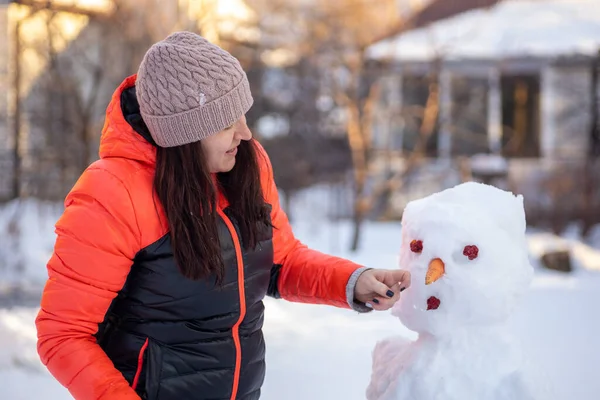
column 124, row 134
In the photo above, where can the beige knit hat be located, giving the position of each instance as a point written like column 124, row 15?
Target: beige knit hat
column 189, row 88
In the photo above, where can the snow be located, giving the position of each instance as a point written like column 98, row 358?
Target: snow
column 509, row 29
column 316, row 352
column 582, row 254
column 27, row 227
column 593, row 237
column 488, row 164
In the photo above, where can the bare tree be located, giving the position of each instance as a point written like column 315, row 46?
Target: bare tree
column 66, row 103
column 333, row 87
column 328, row 43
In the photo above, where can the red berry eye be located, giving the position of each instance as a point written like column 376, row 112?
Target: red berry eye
column 416, row 246
column 471, row 252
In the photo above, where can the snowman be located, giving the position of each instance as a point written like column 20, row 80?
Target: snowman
column 466, row 250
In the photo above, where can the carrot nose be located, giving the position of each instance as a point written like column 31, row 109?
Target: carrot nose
column 435, row 271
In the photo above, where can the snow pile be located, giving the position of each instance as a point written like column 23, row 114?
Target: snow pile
column 22, row 375
column 489, row 164
column 17, row 334
column 467, row 251
column 594, row 238
column 27, row 227
column 509, row 29
column 584, row 256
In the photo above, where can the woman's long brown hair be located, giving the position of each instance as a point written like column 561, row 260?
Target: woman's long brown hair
column 188, row 194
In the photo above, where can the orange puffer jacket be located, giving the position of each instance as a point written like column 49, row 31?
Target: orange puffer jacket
column 117, row 319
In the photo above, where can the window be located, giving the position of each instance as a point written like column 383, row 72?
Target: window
column 469, row 128
column 520, row 115
column 415, row 92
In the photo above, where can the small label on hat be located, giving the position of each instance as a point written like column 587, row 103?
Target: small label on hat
column 202, row 99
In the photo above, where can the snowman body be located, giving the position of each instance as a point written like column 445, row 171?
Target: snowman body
column 466, row 250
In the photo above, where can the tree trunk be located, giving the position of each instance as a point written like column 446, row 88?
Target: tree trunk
column 84, row 137
column 358, row 217
column 287, row 202
column 589, row 215
column 359, row 159
column 16, row 186
column 594, row 151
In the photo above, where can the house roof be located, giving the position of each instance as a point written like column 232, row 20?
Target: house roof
column 415, row 14
column 511, row 28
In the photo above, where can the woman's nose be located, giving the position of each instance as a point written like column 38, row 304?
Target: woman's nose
column 242, row 131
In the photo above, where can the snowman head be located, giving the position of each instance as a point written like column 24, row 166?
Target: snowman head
column 466, row 250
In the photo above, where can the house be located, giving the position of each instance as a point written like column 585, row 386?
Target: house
column 515, row 82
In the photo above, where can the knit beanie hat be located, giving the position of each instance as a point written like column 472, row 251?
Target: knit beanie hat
column 189, row 88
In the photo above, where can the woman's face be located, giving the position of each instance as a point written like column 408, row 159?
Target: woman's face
column 220, row 149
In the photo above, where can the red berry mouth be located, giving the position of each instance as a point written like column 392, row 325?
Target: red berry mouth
column 433, row 303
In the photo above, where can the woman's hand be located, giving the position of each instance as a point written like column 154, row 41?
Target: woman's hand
column 380, row 288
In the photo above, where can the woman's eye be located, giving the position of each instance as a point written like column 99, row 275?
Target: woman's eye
column 416, row 246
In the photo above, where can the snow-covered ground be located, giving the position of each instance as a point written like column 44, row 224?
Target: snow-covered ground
column 316, row 352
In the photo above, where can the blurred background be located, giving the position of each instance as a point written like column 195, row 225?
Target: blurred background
column 363, row 106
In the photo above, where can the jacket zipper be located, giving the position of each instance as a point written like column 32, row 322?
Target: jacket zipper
column 139, row 365
column 241, row 289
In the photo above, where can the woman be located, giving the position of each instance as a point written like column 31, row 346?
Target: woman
column 169, row 243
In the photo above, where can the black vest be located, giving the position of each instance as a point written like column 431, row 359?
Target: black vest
column 179, row 336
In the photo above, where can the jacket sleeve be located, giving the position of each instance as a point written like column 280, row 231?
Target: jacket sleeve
column 301, row 274
column 97, row 238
